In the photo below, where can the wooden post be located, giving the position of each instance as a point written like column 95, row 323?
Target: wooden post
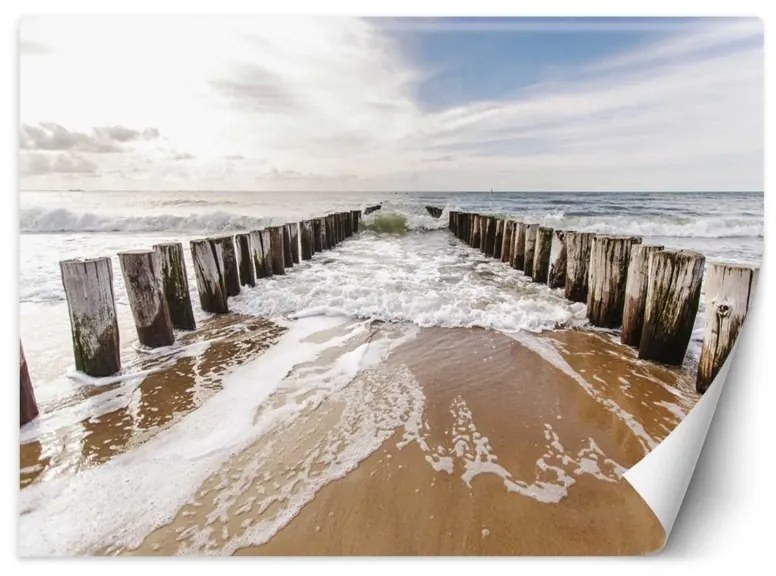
column 530, row 248
column 318, row 235
column 577, row 264
column 452, row 225
column 499, row 238
column 728, row 295
column 208, row 258
column 518, row 252
column 245, row 259
column 257, row 253
column 28, row 406
column 609, row 259
column 347, row 220
column 88, row 287
column 507, row 243
column 636, row 293
column 356, row 217
column 673, row 294
column 142, row 273
column 278, row 252
column 542, row 250
column 306, row 237
column 291, row 242
column 230, row 271
column 343, row 226
column 557, row 277
column 288, row 257
column 330, row 231
column 370, row 209
column 175, row 283
column 475, row 235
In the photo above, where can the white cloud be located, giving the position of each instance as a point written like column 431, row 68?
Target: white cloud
column 328, row 104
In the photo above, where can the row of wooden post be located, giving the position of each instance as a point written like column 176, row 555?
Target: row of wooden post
column 650, row 292
column 157, row 284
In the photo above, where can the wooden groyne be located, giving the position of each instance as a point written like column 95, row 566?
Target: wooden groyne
column 28, row 406
column 650, row 292
column 158, row 289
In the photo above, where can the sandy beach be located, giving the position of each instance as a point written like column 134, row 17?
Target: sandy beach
column 444, row 441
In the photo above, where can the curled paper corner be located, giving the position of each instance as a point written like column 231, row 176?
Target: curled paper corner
column 661, row 478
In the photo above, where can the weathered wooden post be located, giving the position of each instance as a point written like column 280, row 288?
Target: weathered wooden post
column 636, row 293
column 518, row 252
column 490, row 236
column 293, row 238
column 475, row 235
column 542, row 250
column 451, row 223
column 330, row 231
column 530, row 248
column 728, row 295
column 208, row 258
column 356, row 216
column 288, row 257
column 343, row 225
column 175, row 283
column 609, row 259
column 142, row 273
column 673, row 294
column 88, row 287
column 507, row 243
column 347, row 220
column 557, row 277
column 317, row 235
column 230, row 271
column 28, row 406
column 499, row 238
column 306, row 237
column 246, row 266
column 577, row 264
column 257, row 253
column 278, row 252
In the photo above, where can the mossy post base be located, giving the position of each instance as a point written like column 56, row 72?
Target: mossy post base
column 88, row 288
column 175, row 284
column 636, row 294
column 608, row 273
column 142, row 273
column 578, row 246
column 208, row 261
column 542, row 251
column 673, row 294
column 246, row 265
column 728, row 295
column 557, row 277
column 28, row 406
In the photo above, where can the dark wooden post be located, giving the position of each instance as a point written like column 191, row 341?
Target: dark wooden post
column 257, row 253
column 356, row 216
column 88, row 288
column 307, row 239
column 507, row 243
column 208, row 258
column 609, row 259
column 28, row 406
column 518, row 253
column 230, row 271
column 530, row 248
column 490, row 236
column 317, row 235
column 331, row 233
column 542, row 251
column 673, row 294
column 278, row 252
column 246, row 266
column 557, row 277
column 636, row 293
column 143, row 281
column 343, row 223
column 175, row 283
column 728, row 296
column 499, row 238
column 451, row 224
column 347, row 220
column 578, row 246
column 288, row 257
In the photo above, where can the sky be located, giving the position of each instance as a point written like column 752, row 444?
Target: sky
column 334, row 103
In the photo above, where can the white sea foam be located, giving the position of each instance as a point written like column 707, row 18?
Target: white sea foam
column 122, row 500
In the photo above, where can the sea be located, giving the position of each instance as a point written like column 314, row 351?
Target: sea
column 403, row 269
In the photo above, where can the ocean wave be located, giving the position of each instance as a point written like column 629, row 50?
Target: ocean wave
column 60, row 220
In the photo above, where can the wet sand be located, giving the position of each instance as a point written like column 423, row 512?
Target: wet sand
column 463, row 441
